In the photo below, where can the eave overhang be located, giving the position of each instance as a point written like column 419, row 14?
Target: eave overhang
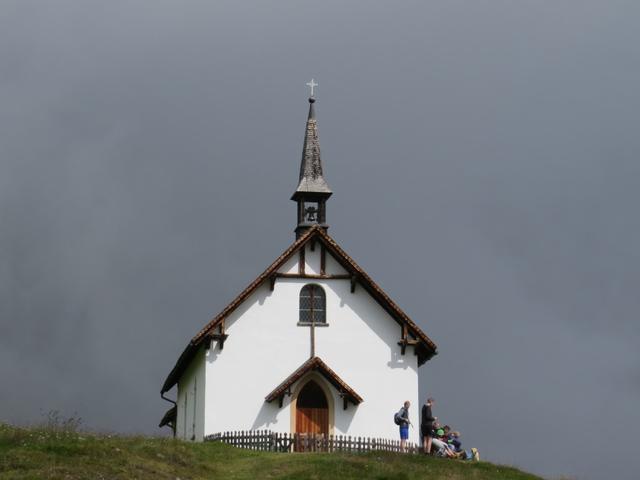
column 183, row 362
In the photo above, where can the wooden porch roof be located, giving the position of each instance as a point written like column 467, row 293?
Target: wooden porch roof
column 315, row 364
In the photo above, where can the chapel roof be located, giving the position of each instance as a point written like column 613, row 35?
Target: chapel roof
column 425, row 348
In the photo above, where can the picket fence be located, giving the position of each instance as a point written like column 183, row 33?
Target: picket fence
column 267, row 440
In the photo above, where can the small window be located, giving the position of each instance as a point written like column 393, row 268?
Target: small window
column 312, row 304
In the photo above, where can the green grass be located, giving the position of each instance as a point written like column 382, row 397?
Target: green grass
column 63, row 452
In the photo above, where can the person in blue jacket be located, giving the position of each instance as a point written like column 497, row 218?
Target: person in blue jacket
column 404, row 422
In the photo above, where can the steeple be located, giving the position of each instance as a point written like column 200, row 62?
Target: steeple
column 313, row 190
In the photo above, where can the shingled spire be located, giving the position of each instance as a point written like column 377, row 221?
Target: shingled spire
column 313, row 190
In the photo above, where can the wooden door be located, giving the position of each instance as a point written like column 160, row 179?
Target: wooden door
column 312, row 410
column 312, row 420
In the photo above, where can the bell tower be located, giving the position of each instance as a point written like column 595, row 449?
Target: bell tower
column 313, row 191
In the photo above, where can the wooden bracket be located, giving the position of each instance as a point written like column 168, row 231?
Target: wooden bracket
column 220, row 337
column 323, row 260
column 281, row 397
column 345, row 400
column 405, row 341
column 313, row 275
column 353, row 283
column 272, row 282
column 301, row 261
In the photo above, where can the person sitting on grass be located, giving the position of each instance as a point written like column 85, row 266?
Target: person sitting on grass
column 439, row 441
column 456, row 446
column 454, row 441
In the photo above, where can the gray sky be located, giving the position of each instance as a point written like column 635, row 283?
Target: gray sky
column 485, row 161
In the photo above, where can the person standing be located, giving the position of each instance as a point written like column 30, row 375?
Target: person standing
column 404, row 422
column 426, row 424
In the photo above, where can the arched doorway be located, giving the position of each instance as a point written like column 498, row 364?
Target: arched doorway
column 312, row 410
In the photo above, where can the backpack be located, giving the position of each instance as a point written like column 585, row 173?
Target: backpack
column 475, row 454
column 397, row 417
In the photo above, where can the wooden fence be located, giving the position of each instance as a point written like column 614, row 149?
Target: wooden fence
column 307, row 442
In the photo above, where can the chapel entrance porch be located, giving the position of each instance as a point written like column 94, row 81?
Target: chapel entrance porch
column 311, row 387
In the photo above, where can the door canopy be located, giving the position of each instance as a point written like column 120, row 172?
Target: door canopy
column 314, row 364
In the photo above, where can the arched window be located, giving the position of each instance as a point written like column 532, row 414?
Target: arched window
column 312, row 304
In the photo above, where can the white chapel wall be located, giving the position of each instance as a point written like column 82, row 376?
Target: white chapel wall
column 312, row 259
column 190, row 406
column 332, row 267
column 290, row 266
column 360, row 345
column 265, row 346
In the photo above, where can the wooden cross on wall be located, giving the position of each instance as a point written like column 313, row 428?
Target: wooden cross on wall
column 312, row 336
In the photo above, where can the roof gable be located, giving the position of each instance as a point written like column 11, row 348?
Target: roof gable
column 412, row 335
column 318, row 261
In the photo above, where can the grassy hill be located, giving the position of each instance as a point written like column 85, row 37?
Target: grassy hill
column 62, row 452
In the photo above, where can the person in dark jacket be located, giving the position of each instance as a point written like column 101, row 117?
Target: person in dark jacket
column 426, row 424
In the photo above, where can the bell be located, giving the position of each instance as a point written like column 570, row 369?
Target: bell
column 311, row 214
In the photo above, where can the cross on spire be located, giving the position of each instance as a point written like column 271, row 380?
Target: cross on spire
column 312, row 84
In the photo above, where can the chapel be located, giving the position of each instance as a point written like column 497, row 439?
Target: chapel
column 312, row 345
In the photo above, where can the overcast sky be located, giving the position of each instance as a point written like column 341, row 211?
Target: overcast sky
column 485, row 159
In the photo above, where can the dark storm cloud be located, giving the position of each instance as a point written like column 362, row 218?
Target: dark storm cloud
column 145, row 145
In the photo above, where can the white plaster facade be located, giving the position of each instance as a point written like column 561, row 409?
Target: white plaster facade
column 225, row 389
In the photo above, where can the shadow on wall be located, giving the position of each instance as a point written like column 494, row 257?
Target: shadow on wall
column 267, row 416
column 343, row 418
column 397, row 360
column 261, row 295
column 213, row 352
